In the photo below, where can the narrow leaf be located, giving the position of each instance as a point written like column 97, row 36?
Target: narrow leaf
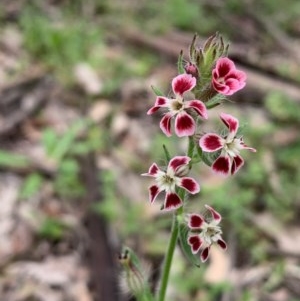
column 8, row 159
column 157, row 91
column 180, row 63
column 167, row 153
column 192, row 49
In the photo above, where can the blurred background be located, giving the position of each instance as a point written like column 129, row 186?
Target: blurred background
column 75, row 85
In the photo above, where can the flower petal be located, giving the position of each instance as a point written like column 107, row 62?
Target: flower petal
column 172, row 201
column 237, row 163
column 224, row 66
column 220, row 87
column 183, row 83
column 159, row 103
column 204, row 254
column 152, row 110
column 211, row 142
column 154, row 191
column 222, row 165
column 215, row 215
column 184, row 125
column 165, row 124
column 189, row 184
column 234, row 85
column 153, row 170
column 195, row 221
column 222, row 244
column 198, row 106
column 241, row 76
column 195, row 242
column 231, row 122
column 177, row 162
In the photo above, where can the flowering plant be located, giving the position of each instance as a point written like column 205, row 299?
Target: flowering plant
column 210, row 76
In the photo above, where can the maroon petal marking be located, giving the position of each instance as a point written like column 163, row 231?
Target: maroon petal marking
column 222, row 244
column 215, row 215
column 153, row 170
column 165, row 124
column 152, row 110
column 224, row 66
column 184, row 125
column 237, row 163
column 161, row 102
column 204, row 254
column 177, row 162
column 183, row 83
column 220, row 87
column 198, row 106
column 195, row 221
column 211, row 142
column 195, row 242
column 231, row 122
column 172, row 201
column 234, row 85
column 190, row 185
column 222, row 165
column 154, row 191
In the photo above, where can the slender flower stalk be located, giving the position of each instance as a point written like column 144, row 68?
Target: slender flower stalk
column 168, row 259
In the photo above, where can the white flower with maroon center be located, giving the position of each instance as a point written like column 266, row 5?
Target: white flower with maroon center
column 185, row 124
column 229, row 161
column 204, row 232
column 168, row 180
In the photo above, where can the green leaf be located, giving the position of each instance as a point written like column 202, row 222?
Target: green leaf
column 186, row 248
column 167, row 153
column 49, row 140
column 31, row 186
column 8, row 159
column 66, row 142
column 157, row 91
column 52, row 228
column 180, row 63
column 207, row 158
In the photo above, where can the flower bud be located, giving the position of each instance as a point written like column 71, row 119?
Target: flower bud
column 191, row 69
column 183, row 170
column 133, row 279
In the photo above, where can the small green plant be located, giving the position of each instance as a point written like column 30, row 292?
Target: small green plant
column 52, row 229
column 61, row 44
column 211, row 77
column 31, row 185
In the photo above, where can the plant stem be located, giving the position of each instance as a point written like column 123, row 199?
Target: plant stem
column 174, row 236
column 168, row 259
